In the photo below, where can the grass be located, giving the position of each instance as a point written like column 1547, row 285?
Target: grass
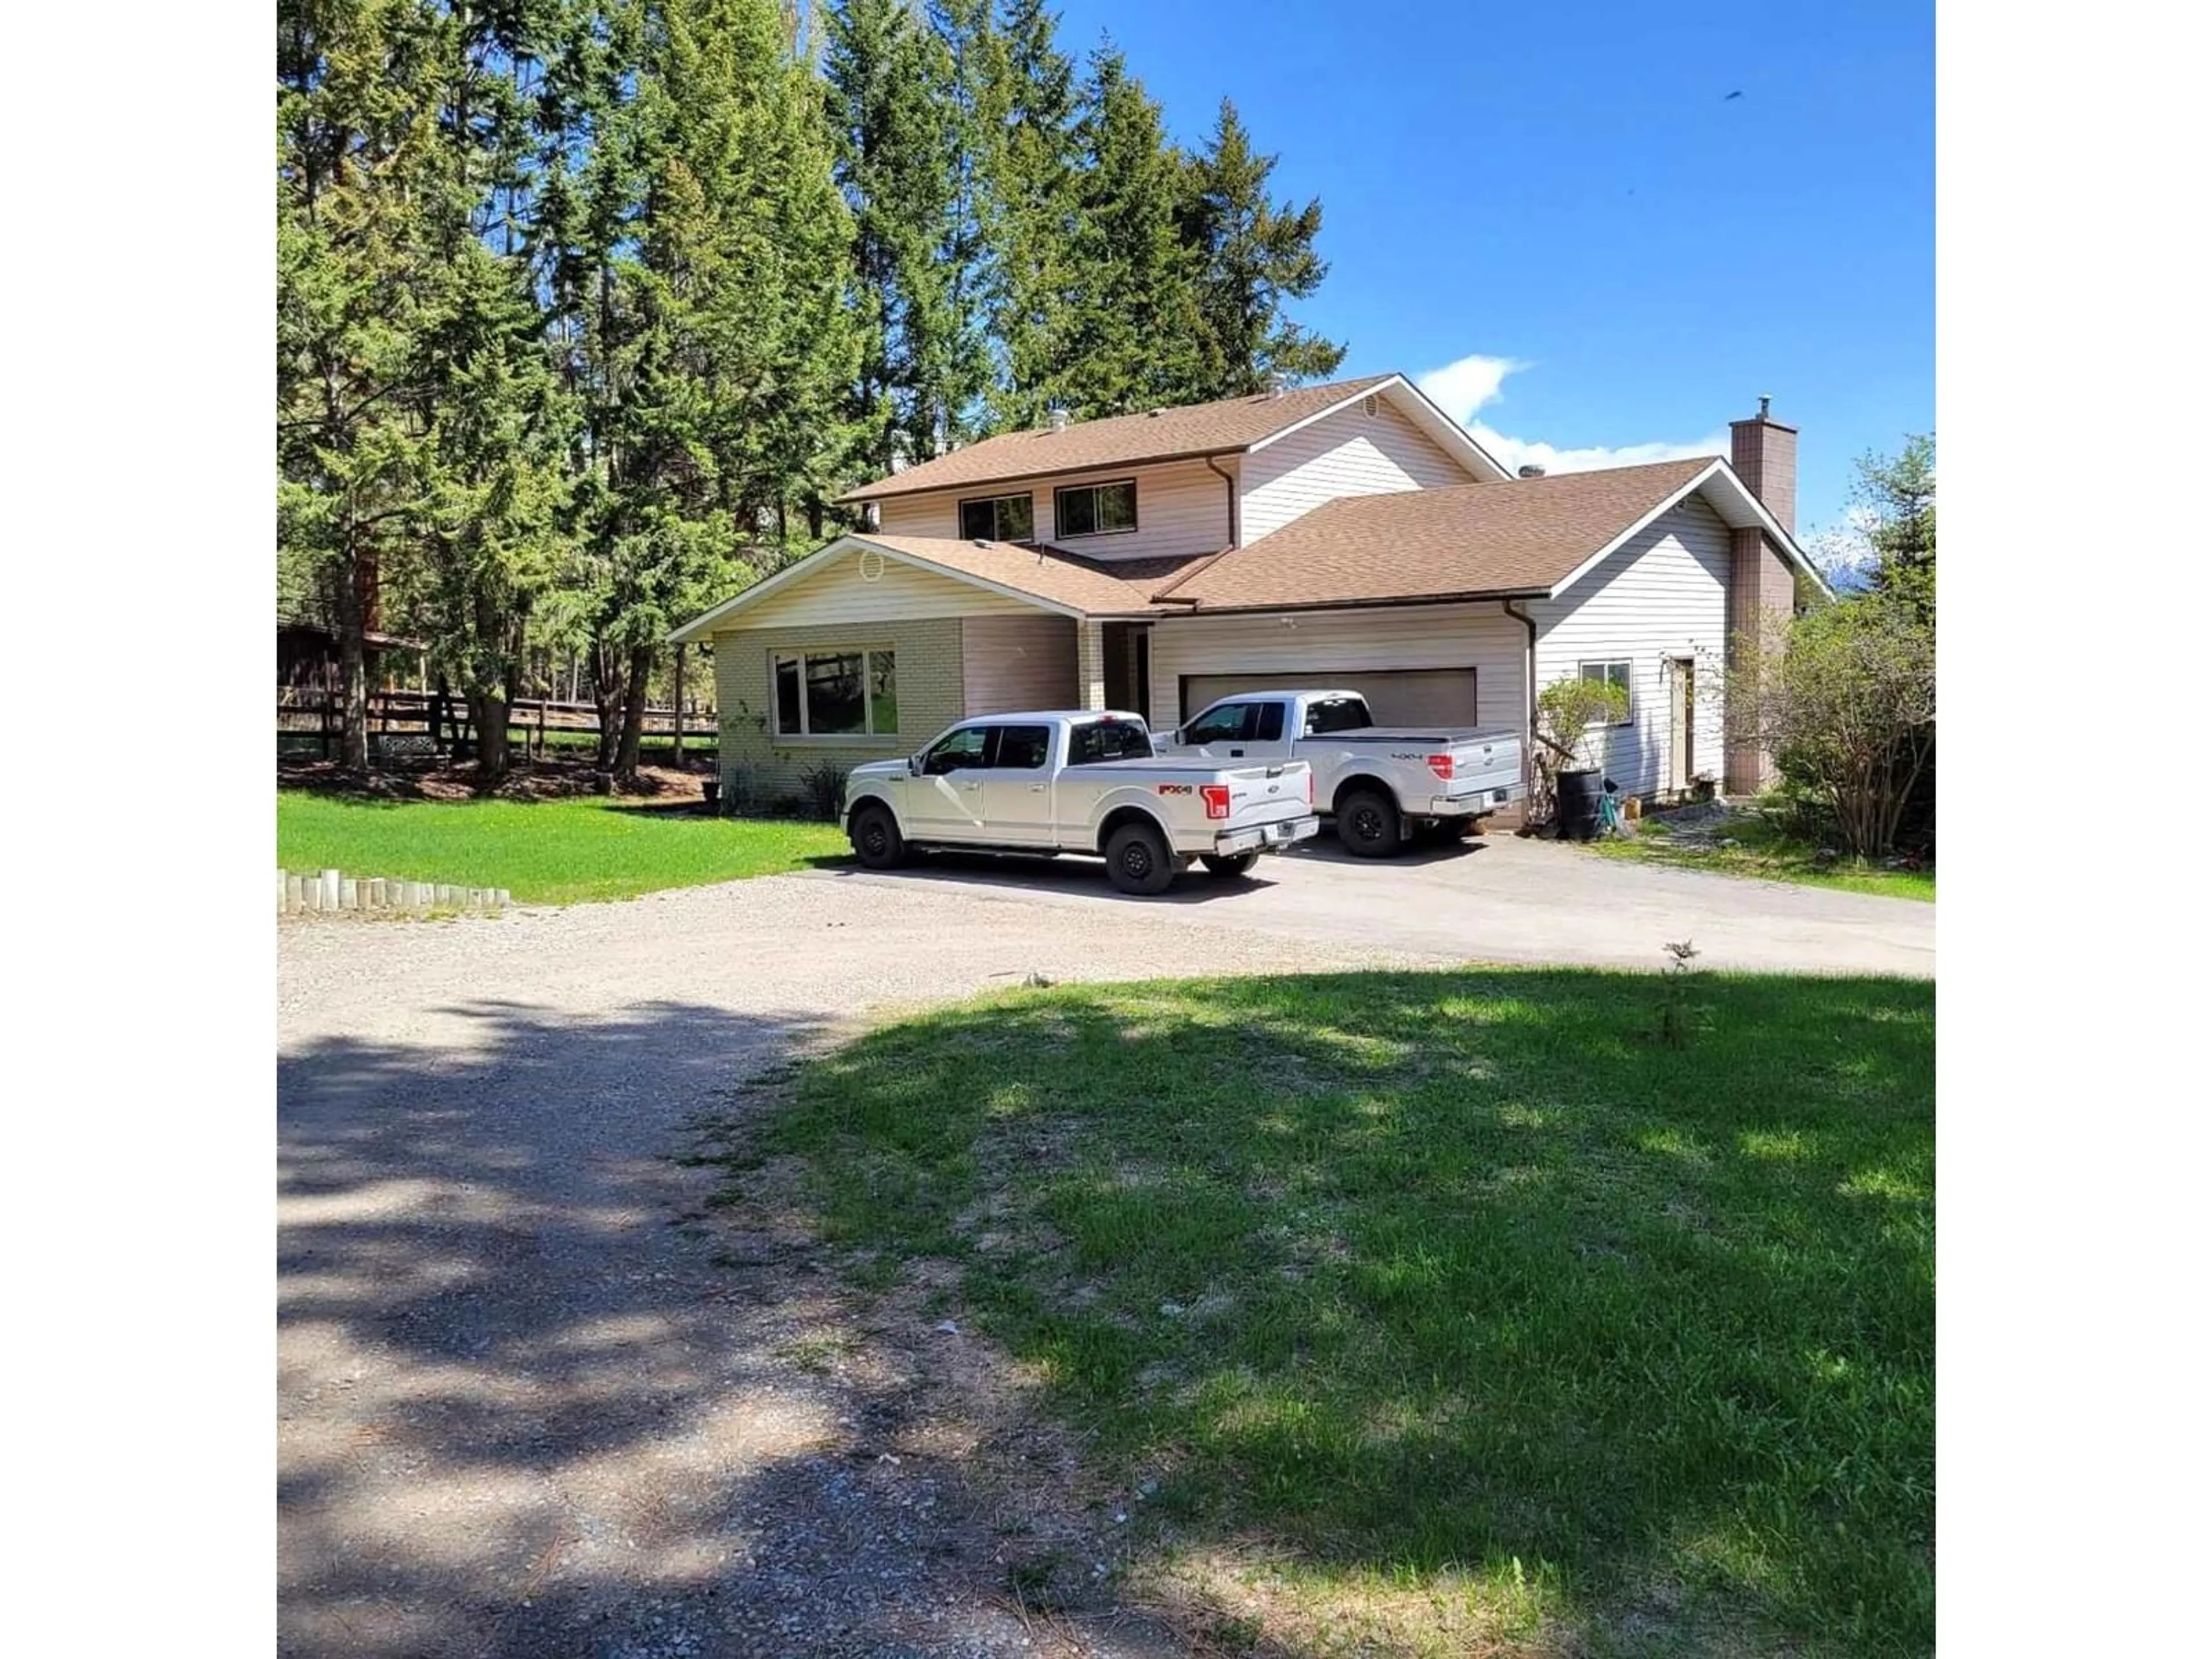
column 552, row 852
column 1764, row 851
column 1475, row 1314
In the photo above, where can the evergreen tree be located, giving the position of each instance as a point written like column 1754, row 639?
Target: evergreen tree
column 1031, row 193
column 1252, row 255
column 1129, row 337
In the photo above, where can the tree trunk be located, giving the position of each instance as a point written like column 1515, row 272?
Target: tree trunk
column 633, row 722
column 353, row 664
column 607, row 688
column 488, row 710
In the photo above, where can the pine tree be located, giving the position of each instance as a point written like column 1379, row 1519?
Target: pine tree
column 1252, row 255
column 1129, row 338
column 1031, row 193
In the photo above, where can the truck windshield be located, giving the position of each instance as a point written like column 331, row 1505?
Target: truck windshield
column 1337, row 714
column 1108, row 740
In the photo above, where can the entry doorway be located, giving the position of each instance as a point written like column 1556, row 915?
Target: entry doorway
column 1682, row 722
column 1129, row 664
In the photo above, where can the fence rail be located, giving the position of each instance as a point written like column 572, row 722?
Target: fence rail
column 423, row 722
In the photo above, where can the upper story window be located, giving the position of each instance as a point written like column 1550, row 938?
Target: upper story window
column 1098, row 509
column 998, row 519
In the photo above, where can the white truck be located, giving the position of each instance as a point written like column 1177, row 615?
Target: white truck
column 1081, row 781
column 1382, row 784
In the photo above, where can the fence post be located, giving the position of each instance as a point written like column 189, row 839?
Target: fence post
column 678, row 759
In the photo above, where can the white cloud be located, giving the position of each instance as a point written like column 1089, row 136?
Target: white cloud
column 1463, row 388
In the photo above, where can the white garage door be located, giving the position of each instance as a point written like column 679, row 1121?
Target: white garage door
column 1400, row 696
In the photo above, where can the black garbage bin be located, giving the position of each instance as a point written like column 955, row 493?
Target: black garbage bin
column 1578, row 793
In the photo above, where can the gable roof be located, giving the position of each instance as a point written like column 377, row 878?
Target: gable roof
column 1228, row 427
column 1524, row 537
column 1045, row 577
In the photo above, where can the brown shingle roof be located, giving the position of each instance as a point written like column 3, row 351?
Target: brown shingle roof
column 1086, row 585
column 1216, row 428
column 1466, row 541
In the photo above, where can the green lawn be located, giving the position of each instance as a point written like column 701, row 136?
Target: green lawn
column 1475, row 1311
column 554, row 852
column 1761, row 850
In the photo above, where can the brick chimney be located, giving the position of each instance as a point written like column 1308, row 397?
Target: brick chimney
column 1763, row 453
column 1761, row 584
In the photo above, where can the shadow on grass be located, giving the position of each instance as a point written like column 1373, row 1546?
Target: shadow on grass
column 1463, row 1278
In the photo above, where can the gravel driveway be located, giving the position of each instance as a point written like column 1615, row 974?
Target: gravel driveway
column 536, row 1398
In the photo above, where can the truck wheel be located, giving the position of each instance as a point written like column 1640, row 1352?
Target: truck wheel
column 876, row 839
column 1138, row 859
column 1368, row 824
column 1233, row 864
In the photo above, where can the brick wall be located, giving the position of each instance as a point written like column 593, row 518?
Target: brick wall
column 929, row 697
column 1760, row 586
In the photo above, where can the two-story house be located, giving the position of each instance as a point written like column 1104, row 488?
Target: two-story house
column 1344, row 535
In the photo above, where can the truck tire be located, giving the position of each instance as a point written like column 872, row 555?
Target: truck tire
column 1368, row 825
column 1233, row 864
column 1137, row 861
column 876, row 839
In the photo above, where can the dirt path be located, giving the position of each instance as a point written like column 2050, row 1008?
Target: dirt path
column 536, row 1398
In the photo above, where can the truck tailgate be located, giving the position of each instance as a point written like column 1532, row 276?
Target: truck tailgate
column 1268, row 794
column 1482, row 762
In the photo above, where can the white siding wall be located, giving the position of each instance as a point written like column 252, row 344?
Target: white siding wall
column 1664, row 595
column 1349, row 453
column 838, row 593
column 1183, row 507
column 1479, row 636
column 1017, row 662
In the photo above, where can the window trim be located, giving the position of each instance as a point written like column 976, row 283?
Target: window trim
column 1059, row 490
column 1627, row 666
column 960, row 514
column 778, row 655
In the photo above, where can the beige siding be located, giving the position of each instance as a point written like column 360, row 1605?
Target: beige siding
column 1316, row 645
column 1183, row 507
column 1017, row 662
column 929, row 699
column 1662, row 596
column 842, row 592
column 1348, row 453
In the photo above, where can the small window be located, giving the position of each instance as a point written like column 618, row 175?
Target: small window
column 1228, row 722
column 956, row 751
column 1100, row 510
column 1023, row 748
column 829, row 693
column 1108, row 740
column 1615, row 673
column 1337, row 714
column 998, row 518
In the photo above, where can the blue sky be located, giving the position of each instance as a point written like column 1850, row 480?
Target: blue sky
column 1565, row 203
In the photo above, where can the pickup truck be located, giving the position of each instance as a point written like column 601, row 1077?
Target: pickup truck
column 1077, row 781
column 1382, row 784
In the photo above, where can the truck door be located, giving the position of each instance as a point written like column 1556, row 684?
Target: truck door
column 1017, row 788
column 946, row 803
column 1222, row 731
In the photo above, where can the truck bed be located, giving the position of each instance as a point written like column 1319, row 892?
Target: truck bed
column 1429, row 734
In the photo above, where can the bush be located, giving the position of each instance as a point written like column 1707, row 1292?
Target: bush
column 1565, row 711
column 824, row 784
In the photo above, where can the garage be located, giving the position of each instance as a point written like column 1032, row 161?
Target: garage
column 1400, row 696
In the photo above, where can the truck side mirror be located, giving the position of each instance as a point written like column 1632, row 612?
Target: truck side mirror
column 913, row 766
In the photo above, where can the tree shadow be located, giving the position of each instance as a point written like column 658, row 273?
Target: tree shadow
column 534, row 1396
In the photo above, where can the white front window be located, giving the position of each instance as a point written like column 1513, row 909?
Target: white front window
column 840, row 692
column 1099, row 509
column 1615, row 673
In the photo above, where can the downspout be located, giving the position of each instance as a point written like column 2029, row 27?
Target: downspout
column 1528, row 697
column 1229, row 480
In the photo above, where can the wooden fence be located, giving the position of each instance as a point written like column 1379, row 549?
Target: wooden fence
column 401, row 723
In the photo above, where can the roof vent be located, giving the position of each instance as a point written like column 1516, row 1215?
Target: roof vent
column 1278, row 383
column 1532, row 470
column 1055, row 418
column 1369, row 404
column 1154, row 413
column 982, row 541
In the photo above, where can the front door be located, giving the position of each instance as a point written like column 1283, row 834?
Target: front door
column 1683, row 706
